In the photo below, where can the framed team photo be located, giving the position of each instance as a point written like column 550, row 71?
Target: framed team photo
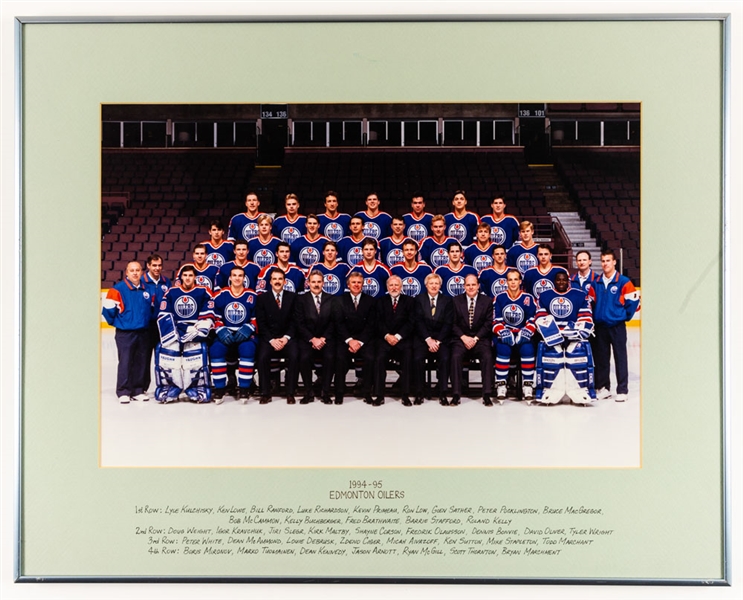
column 372, row 313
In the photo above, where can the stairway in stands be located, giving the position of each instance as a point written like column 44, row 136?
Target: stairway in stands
column 563, row 208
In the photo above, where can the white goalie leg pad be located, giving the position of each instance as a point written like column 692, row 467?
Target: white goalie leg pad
column 196, row 371
column 168, row 373
column 576, row 393
column 579, row 361
column 549, row 378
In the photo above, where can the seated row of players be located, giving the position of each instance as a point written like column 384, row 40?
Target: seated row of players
column 317, row 326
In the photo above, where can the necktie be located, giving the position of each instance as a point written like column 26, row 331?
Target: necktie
column 278, row 301
column 472, row 311
column 356, row 303
column 394, row 304
column 317, row 304
column 433, row 307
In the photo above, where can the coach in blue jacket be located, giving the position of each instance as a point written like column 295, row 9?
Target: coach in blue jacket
column 128, row 307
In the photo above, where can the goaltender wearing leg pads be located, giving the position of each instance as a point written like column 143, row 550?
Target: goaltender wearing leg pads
column 564, row 363
column 181, row 360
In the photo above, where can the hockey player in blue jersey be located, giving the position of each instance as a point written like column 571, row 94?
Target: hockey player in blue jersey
column 542, row 277
column 434, row 250
column 523, row 254
column 377, row 223
column 218, row 250
column 375, row 274
column 480, row 254
column 461, row 224
column 564, row 363
column 504, row 229
column 334, row 273
column 234, row 313
column 493, row 279
column 241, row 260
column 306, row 250
column 412, row 272
column 390, row 248
column 349, row 248
column 185, row 318
column 294, row 280
column 206, row 274
column 513, row 327
column 262, row 249
column 244, row 226
column 417, row 221
column 289, row 226
column 333, row 224
column 454, row 272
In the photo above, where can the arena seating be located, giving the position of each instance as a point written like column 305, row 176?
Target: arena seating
column 171, row 195
column 174, row 193
column 606, row 186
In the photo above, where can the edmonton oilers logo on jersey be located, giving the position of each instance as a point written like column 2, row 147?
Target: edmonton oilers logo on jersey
column 250, row 231
column 235, row 313
column 371, row 286
column 542, row 285
column 499, row 286
column 215, row 258
column 264, row 258
column 333, row 232
column 308, row 256
column 455, row 286
column 289, row 234
column 395, row 257
column 289, row 285
column 371, row 229
column 331, row 284
column 513, row 315
column 526, row 261
column 497, row 235
column 185, row 307
column 417, row 232
column 457, row 231
column 482, row 262
column 354, row 256
column 439, row 257
column 204, row 280
column 561, row 307
column 411, row 286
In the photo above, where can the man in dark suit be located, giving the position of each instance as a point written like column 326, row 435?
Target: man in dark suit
column 274, row 311
column 472, row 329
column 315, row 336
column 395, row 328
column 434, row 315
column 354, row 325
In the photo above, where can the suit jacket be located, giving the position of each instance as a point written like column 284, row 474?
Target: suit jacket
column 399, row 321
column 353, row 323
column 272, row 322
column 311, row 324
column 482, row 323
column 439, row 326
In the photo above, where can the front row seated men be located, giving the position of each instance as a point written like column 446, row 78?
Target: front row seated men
column 472, row 330
column 185, row 318
column 564, row 361
column 234, row 311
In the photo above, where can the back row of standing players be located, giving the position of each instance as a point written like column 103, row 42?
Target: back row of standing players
column 376, row 244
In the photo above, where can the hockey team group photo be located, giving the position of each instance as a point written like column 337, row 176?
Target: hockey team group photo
column 293, row 271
